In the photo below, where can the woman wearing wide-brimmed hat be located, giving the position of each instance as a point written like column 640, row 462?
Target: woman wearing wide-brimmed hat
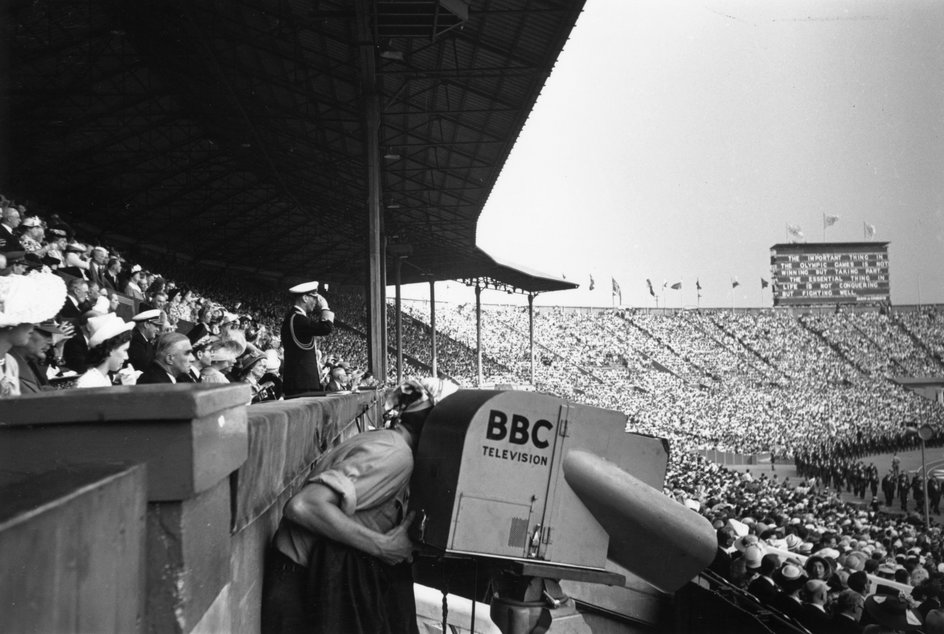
column 24, row 301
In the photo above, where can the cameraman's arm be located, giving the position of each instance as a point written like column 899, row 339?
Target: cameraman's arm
column 316, row 508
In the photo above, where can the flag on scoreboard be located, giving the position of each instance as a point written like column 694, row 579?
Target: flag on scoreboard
column 735, row 283
column 764, row 283
column 676, row 286
column 616, row 289
column 829, row 221
column 697, row 285
column 591, row 283
column 649, row 283
column 795, row 231
column 869, row 230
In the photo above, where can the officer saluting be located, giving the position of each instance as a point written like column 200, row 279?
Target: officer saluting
column 308, row 319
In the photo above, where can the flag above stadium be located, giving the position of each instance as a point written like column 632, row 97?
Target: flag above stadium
column 239, row 134
column 829, row 273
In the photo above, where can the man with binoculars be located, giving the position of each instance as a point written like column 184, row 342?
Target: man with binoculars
column 308, row 319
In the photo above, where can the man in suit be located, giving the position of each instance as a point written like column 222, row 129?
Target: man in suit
column 75, row 349
column 98, row 266
column 110, row 279
column 814, row 616
column 307, row 319
column 172, row 358
column 147, row 325
column 763, row 586
column 337, row 381
column 76, row 299
column 9, row 221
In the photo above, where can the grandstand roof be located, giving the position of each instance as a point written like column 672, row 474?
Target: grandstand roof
column 233, row 132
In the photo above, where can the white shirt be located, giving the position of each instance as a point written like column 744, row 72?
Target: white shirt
column 93, row 378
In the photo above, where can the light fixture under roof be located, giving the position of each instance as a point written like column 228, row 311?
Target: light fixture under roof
column 388, row 53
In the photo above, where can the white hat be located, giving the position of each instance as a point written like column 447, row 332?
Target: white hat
column 306, row 287
column 32, row 221
column 147, row 315
column 273, row 363
column 740, row 528
column 104, row 327
column 30, row 299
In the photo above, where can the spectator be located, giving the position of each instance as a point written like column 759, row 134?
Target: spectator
column 31, row 358
column 98, row 266
column 813, row 615
column 24, row 301
column 111, row 278
column 146, row 329
column 337, row 378
column 250, row 370
column 77, row 299
column 109, row 338
column 133, row 288
column 218, row 359
column 32, row 235
column 9, row 222
column 172, row 358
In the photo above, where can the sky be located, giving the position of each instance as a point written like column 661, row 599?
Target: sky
column 675, row 140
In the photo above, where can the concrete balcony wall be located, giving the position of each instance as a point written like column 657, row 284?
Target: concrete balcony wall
column 218, row 475
column 72, row 547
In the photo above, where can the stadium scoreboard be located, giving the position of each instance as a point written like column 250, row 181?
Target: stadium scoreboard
column 829, row 273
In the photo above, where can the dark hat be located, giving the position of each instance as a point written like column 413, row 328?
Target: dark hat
column 15, row 256
column 51, row 260
column 249, row 359
column 857, row 581
column 892, row 611
column 33, row 261
column 49, row 326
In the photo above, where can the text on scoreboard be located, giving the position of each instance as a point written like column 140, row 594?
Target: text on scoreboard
column 829, row 273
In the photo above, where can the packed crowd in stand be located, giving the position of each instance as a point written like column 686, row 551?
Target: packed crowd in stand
column 815, row 388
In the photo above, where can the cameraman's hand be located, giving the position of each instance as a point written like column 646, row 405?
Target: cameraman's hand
column 396, row 546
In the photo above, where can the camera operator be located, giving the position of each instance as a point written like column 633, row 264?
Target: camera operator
column 308, row 319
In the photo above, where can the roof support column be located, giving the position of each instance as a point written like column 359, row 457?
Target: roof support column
column 432, row 327
column 399, row 321
column 478, row 333
column 6, row 80
column 376, row 257
column 531, row 332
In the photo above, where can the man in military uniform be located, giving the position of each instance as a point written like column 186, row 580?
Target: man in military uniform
column 934, row 495
column 888, row 488
column 308, row 319
column 904, row 489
